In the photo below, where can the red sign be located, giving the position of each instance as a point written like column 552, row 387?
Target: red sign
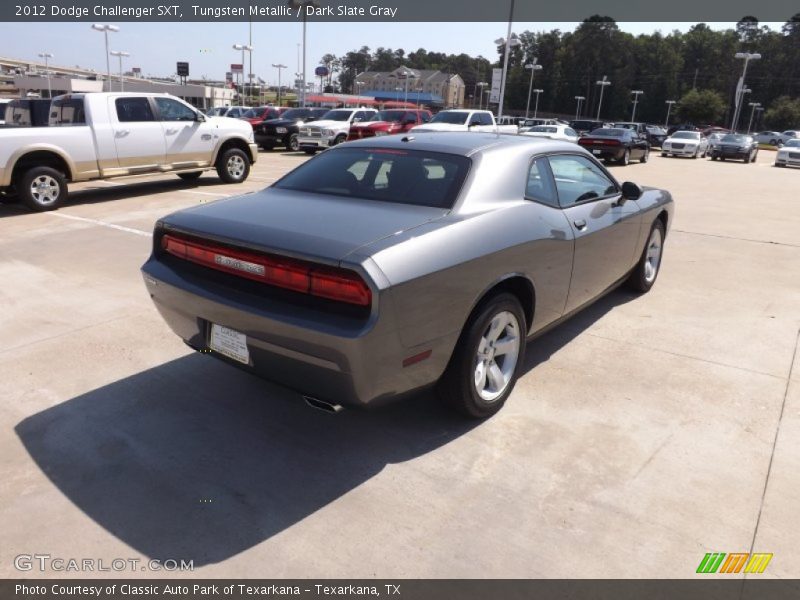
column 237, row 68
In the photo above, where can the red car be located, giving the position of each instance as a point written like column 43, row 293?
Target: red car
column 256, row 116
column 388, row 122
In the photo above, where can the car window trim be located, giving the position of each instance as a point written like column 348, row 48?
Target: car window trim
column 596, row 162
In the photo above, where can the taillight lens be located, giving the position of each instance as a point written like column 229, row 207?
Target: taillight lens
column 341, row 285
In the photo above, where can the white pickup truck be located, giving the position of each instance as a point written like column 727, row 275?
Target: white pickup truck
column 464, row 120
column 331, row 129
column 104, row 135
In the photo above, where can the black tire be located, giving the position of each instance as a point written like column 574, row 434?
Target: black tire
column 310, row 151
column 694, row 156
column 778, row 165
column 293, row 144
column 773, row 142
column 626, row 158
column 339, row 139
column 457, row 387
column 51, row 189
column 233, row 166
column 645, row 156
column 193, row 176
column 663, row 155
column 267, row 147
column 754, row 156
column 640, row 278
column 713, row 157
column 722, row 158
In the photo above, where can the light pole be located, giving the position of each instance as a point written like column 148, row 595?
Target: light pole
column 580, row 100
column 105, row 29
column 119, row 54
column 279, row 67
column 669, row 108
column 759, row 111
column 301, row 5
column 753, row 106
column 46, row 56
column 509, row 41
column 481, row 85
column 636, row 94
column 533, row 66
column 536, row 106
column 602, row 83
column 244, row 48
column 747, row 57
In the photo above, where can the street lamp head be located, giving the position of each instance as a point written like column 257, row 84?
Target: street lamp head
column 45, row 55
column 119, row 53
column 99, row 27
column 580, row 98
column 637, row 92
column 279, row 66
column 747, row 55
column 534, row 66
column 538, row 91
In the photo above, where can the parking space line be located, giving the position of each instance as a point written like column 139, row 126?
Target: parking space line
column 101, row 224
column 206, row 193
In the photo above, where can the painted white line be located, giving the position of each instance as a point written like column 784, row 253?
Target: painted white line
column 216, row 194
column 101, row 223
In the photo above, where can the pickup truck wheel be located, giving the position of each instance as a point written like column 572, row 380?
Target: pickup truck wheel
column 193, row 176
column 42, row 188
column 487, row 359
column 293, row 145
column 339, row 139
column 310, row 151
column 646, row 270
column 233, row 166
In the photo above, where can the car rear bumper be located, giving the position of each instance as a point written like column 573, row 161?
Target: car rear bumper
column 357, row 367
column 266, row 139
column 607, row 153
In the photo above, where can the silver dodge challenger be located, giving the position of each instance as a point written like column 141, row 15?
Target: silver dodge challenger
column 391, row 264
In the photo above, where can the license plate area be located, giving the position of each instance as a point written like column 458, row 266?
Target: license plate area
column 229, row 342
column 597, row 151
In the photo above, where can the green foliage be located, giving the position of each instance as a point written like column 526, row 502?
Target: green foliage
column 701, row 107
column 783, row 113
column 666, row 65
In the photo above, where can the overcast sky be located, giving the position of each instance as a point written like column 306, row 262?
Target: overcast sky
column 155, row 47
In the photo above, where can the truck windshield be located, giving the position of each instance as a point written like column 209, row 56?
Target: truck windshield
column 392, row 116
column 382, row 174
column 67, row 111
column 453, row 118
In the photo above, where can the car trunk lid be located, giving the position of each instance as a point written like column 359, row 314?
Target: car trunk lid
column 319, row 227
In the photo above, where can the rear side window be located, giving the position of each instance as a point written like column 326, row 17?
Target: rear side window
column 384, row 175
column 67, row 111
column 426, row 116
column 540, row 186
column 485, row 119
column 133, row 110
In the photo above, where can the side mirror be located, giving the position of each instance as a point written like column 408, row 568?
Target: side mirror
column 631, row 191
column 410, row 121
column 200, row 117
column 356, row 120
column 473, row 123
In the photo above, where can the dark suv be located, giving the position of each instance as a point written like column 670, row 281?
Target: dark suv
column 283, row 130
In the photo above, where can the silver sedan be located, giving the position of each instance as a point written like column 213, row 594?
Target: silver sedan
column 391, row 264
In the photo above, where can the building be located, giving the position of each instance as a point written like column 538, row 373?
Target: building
column 20, row 78
column 424, row 86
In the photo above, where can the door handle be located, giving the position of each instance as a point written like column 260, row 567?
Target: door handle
column 580, row 224
column 171, row 131
column 122, row 132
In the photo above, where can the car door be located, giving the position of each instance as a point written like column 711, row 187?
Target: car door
column 138, row 137
column 189, row 141
column 606, row 227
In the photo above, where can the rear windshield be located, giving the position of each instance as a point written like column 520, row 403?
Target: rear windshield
column 393, row 116
column 67, row 111
column 738, row 139
column 543, row 129
column 382, row 174
column 609, row 132
column 454, row 118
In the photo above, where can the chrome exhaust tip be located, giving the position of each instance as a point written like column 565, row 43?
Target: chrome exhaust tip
column 322, row 405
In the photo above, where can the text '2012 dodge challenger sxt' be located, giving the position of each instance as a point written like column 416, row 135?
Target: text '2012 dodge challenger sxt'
column 386, row 265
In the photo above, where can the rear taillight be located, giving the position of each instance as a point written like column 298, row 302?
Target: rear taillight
column 595, row 142
column 333, row 283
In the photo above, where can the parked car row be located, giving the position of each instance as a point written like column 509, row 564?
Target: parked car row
column 774, row 138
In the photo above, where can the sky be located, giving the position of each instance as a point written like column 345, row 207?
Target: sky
column 156, row 47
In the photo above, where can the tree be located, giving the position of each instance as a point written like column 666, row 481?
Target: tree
column 701, row 107
column 783, row 113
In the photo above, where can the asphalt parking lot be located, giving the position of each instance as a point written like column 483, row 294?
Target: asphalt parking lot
column 647, row 431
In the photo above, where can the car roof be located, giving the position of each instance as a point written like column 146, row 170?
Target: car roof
column 463, row 143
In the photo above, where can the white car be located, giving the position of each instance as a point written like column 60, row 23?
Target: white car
column 767, row 137
column 685, row 143
column 789, row 154
column 554, row 132
column 789, row 134
column 464, row 120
